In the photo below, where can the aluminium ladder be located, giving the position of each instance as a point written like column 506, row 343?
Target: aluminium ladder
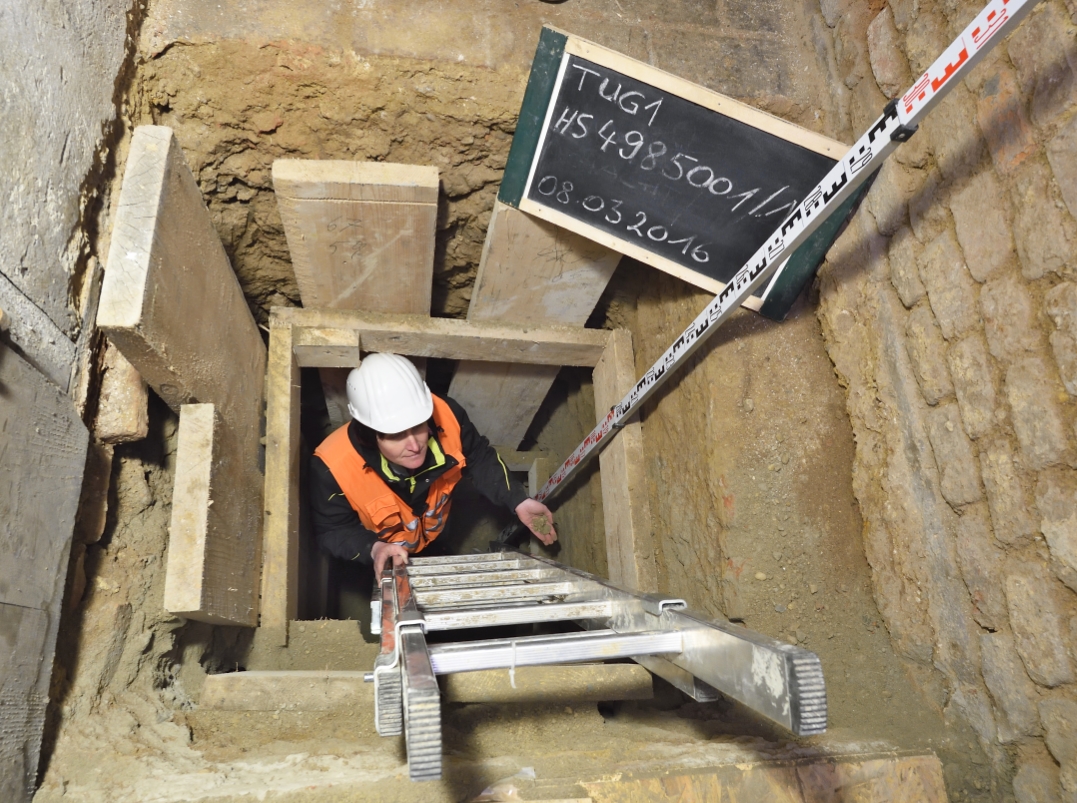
column 701, row 657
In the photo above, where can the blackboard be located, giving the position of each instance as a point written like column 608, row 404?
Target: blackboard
column 663, row 170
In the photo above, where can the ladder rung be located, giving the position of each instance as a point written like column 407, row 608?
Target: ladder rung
column 496, row 594
column 478, row 557
column 560, row 649
column 518, row 615
column 482, row 578
column 423, row 570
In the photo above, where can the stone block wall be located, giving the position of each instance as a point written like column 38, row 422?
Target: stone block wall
column 949, row 309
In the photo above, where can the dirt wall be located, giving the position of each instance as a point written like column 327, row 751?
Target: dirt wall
column 949, row 309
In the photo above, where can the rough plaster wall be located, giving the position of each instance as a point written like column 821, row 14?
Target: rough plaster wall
column 949, row 310
column 58, row 99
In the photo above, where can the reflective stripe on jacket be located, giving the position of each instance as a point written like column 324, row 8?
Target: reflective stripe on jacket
column 380, row 510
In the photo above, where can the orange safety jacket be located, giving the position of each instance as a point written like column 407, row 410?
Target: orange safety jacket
column 380, row 510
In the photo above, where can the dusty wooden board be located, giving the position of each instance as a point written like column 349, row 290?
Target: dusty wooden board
column 122, row 401
column 201, row 518
column 575, row 683
column 361, row 236
column 325, row 348
column 172, row 304
column 626, row 510
column 531, row 272
column 419, row 336
column 43, row 447
column 280, row 555
column 538, row 473
column 895, row 779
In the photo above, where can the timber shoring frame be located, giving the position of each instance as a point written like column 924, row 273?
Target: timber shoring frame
column 330, row 337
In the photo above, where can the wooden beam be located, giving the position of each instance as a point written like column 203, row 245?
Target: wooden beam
column 626, row 508
column 863, row 778
column 538, row 473
column 326, row 348
column 202, row 559
column 361, row 234
column 280, row 554
column 447, row 338
column 534, row 273
column 171, row 303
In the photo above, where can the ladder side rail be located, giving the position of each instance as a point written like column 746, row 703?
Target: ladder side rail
column 782, row 682
column 422, row 706
column 897, row 123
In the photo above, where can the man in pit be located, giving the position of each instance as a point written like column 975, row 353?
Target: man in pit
column 381, row 486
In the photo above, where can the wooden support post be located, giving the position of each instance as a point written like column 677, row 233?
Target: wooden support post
column 171, row 303
column 421, row 336
column 534, row 273
column 626, row 505
column 280, row 555
column 538, row 473
column 201, row 565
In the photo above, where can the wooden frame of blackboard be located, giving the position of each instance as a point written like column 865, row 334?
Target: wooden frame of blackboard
column 555, row 48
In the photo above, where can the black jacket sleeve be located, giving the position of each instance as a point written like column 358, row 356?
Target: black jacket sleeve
column 484, row 466
column 339, row 530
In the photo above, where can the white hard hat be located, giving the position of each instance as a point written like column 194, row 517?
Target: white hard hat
column 387, row 394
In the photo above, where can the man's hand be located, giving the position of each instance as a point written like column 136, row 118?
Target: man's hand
column 382, row 551
column 536, row 517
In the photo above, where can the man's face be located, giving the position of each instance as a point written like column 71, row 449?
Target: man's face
column 407, row 448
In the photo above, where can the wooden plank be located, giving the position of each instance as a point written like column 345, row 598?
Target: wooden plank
column 187, row 531
column 171, row 303
column 202, row 556
column 573, row 683
column 122, row 400
column 626, row 507
column 280, row 554
column 290, row 690
column 43, row 452
column 419, row 336
column 326, row 348
column 889, row 779
column 361, row 234
column 538, row 473
column 536, row 273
